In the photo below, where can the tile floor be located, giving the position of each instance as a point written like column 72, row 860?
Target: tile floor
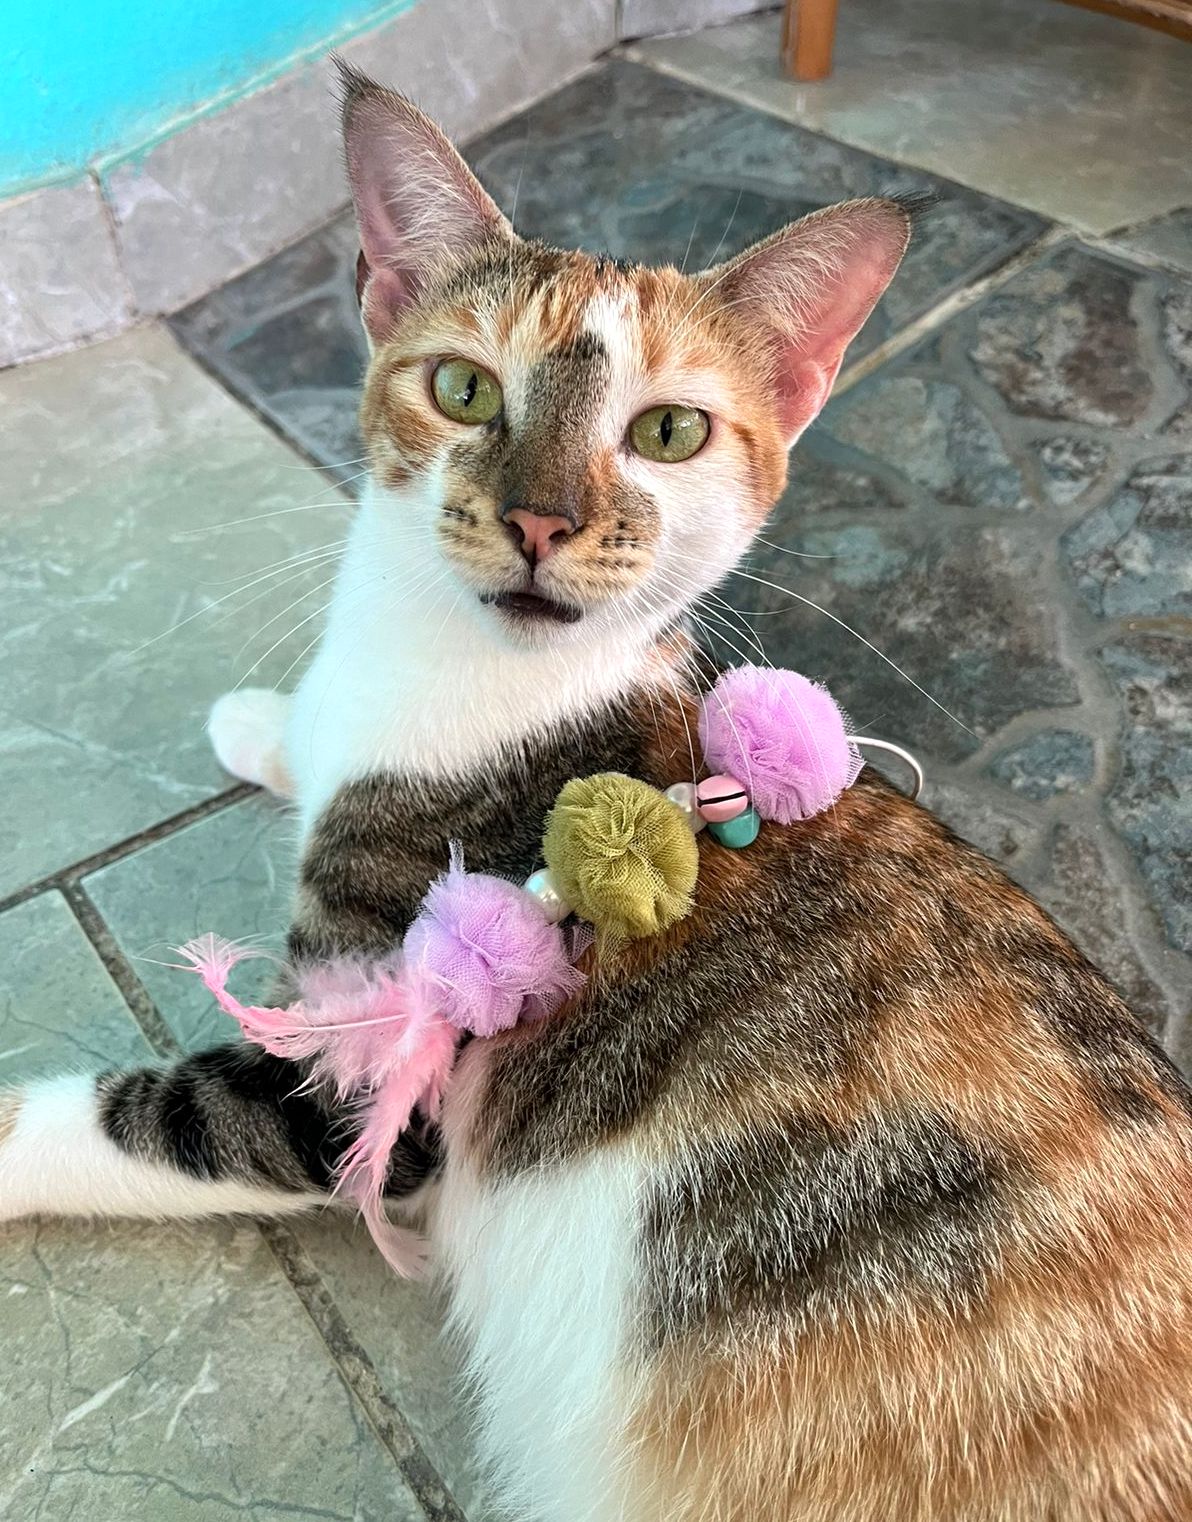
column 1003, row 489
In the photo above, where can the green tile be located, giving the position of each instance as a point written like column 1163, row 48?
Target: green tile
column 168, row 1374
column 233, row 873
column 154, row 1373
column 58, row 1006
column 122, row 451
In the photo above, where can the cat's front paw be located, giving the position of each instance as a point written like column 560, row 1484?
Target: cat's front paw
column 247, row 729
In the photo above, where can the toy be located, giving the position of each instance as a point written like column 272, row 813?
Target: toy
column 484, row 954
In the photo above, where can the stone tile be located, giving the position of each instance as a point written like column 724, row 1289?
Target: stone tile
column 1167, row 239
column 1048, row 762
column 58, row 1006
column 150, row 1371
column 939, row 486
column 123, row 453
column 620, row 160
column 964, row 612
column 1133, row 555
column 58, row 272
column 1062, row 342
column 614, row 160
column 1150, row 800
column 232, row 187
column 1000, row 832
column 401, row 1327
column 1035, row 103
column 1076, row 884
column 233, row 873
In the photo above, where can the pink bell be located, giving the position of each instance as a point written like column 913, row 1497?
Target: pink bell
column 720, row 799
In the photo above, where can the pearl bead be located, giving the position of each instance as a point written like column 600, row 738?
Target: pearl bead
column 541, row 885
column 682, row 795
column 722, row 798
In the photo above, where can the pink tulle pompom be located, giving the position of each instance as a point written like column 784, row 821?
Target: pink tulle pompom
column 490, row 952
column 783, row 736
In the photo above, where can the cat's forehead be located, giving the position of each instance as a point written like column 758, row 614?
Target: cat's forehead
column 594, row 315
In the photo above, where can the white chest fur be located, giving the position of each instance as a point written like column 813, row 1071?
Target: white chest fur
column 413, row 675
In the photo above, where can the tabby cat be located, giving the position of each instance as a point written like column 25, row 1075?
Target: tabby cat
column 858, row 1196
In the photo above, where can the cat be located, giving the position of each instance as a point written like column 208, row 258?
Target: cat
column 857, row 1195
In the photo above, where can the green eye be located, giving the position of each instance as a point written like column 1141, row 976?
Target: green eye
column 465, row 392
column 669, row 434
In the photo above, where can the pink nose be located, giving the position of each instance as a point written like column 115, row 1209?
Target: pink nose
column 540, row 536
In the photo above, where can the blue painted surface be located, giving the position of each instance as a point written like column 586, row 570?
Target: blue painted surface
column 94, row 77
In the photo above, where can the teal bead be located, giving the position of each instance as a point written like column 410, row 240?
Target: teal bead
column 739, row 832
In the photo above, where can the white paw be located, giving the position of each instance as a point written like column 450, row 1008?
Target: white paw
column 247, row 730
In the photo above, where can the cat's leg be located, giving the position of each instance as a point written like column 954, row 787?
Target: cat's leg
column 220, row 1132
column 247, row 729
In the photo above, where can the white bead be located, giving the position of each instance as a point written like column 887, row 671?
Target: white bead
column 541, row 885
column 682, row 795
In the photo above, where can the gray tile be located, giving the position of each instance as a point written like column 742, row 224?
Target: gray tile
column 615, row 160
column 1166, row 240
column 1035, row 103
column 155, row 1373
column 473, row 65
column 287, row 337
column 58, row 272
column 1131, row 556
column 58, row 1006
column 232, row 187
column 233, row 873
column 226, row 191
column 129, row 459
column 652, row 18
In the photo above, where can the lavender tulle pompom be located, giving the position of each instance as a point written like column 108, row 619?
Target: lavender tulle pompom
column 491, row 952
column 785, row 738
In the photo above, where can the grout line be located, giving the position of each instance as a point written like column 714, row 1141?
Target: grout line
column 360, row 1375
column 67, row 877
column 135, row 994
column 951, row 306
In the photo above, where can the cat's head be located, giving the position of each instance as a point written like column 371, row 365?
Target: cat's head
column 587, row 445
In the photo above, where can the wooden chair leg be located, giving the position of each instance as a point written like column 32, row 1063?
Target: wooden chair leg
column 808, row 31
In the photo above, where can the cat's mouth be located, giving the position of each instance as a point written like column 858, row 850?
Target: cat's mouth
column 532, row 607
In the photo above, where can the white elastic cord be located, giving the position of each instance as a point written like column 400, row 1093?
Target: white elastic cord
column 894, row 750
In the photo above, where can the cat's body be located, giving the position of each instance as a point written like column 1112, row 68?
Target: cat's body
column 857, row 1195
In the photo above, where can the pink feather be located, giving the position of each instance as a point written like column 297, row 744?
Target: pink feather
column 374, row 1034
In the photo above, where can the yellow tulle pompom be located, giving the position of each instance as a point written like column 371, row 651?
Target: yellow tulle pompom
column 622, row 854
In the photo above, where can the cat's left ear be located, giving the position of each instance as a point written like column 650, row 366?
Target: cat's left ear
column 811, row 287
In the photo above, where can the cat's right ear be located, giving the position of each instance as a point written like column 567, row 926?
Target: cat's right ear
column 418, row 205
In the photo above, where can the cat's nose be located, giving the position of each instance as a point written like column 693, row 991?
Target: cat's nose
column 540, row 533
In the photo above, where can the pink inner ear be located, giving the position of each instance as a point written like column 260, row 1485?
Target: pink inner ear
column 815, row 283
column 804, row 386
column 417, row 203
